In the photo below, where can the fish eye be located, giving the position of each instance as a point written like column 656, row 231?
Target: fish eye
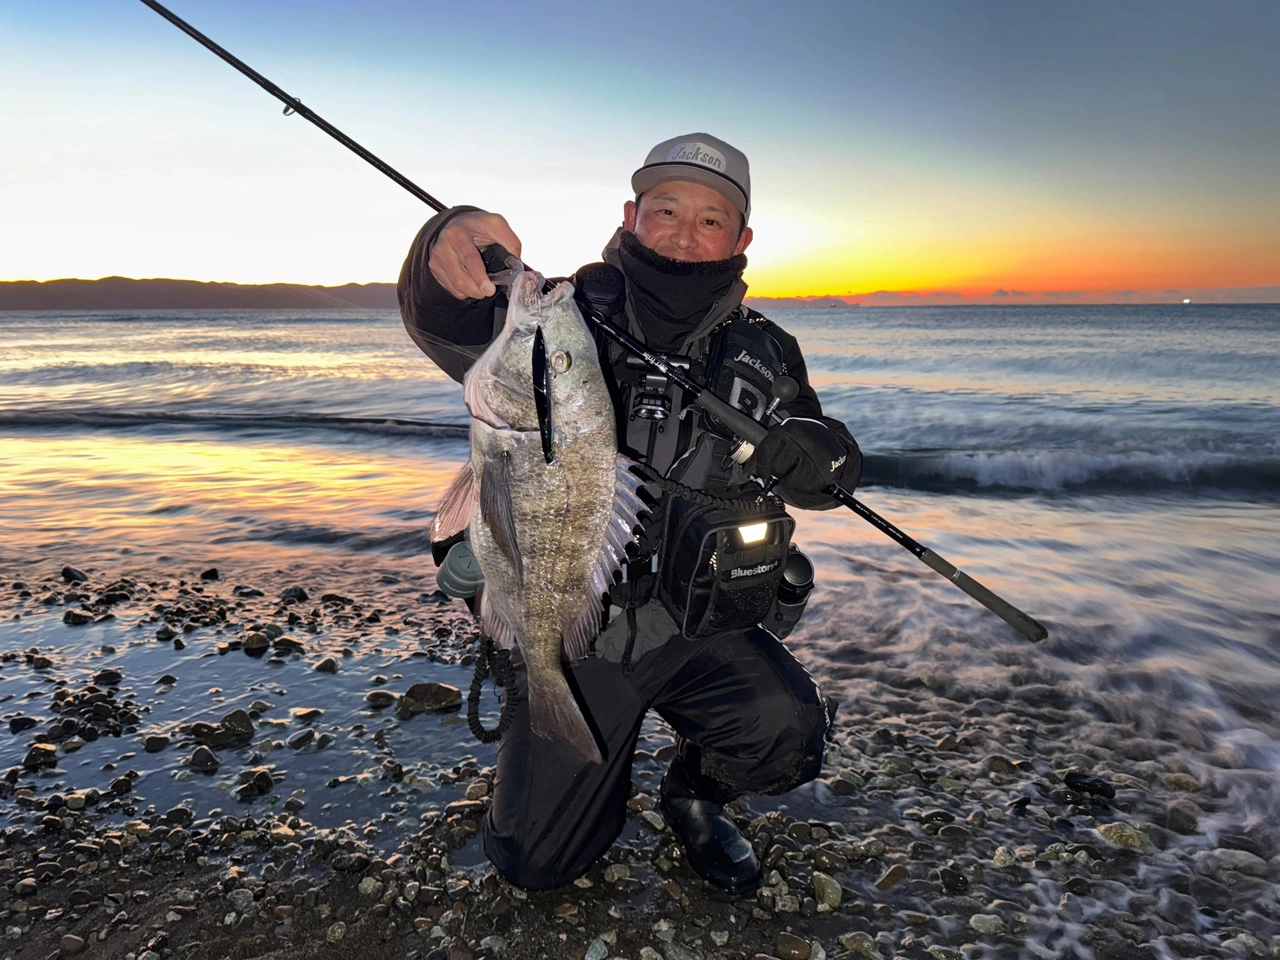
column 561, row 361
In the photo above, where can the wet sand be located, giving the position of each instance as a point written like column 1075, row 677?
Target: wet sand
column 949, row 821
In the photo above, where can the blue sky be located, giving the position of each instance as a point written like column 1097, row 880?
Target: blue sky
column 916, row 145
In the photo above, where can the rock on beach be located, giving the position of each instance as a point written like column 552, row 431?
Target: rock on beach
column 40, row 755
column 237, row 723
column 826, row 889
column 71, row 574
column 1242, row 861
column 378, row 699
column 204, row 760
column 1124, row 835
column 255, row 641
column 429, row 698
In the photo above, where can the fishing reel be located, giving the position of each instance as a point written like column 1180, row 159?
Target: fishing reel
column 601, row 290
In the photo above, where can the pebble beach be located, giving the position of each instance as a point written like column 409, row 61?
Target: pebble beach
column 314, row 819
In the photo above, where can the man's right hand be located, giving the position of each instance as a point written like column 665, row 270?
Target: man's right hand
column 455, row 256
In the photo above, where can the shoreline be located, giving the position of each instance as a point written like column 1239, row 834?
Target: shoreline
column 944, row 824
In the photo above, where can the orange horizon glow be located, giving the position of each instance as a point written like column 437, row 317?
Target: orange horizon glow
column 858, row 275
column 1033, row 266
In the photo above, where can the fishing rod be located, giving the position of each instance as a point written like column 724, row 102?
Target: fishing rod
column 749, row 430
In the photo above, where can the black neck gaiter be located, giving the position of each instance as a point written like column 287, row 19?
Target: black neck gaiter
column 671, row 297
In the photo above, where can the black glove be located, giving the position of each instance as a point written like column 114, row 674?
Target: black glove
column 804, row 456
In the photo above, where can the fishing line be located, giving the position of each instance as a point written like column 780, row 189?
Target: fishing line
column 294, row 105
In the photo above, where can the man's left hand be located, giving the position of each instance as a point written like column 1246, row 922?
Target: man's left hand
column 805, row 456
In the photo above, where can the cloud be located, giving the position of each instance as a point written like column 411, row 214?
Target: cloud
column 1002, row 292
column 1018, row 293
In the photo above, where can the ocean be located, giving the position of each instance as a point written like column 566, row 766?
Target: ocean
column 1114, row 471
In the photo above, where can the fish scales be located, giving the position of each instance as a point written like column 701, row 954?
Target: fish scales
column 540, row 530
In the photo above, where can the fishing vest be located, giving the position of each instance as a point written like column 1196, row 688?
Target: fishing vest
column 659, row 426
column 657, row 422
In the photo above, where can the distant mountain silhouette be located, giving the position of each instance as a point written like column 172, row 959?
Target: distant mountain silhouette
column 800, row 303
column 125, row 293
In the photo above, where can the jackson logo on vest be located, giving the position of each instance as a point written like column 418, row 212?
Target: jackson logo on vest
column 756, row 363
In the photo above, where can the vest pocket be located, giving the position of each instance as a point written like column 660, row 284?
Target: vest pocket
column 723, row 564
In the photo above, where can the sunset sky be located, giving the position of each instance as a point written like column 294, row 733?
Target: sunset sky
column 1092, row 150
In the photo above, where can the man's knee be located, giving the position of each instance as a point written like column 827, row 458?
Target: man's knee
column 562, row 850
column 519, row 869
column 522, row 867
column 786, row 751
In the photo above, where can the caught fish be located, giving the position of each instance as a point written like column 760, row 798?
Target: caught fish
column 549, row 502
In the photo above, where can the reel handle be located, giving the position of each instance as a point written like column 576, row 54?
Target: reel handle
column 785, row 389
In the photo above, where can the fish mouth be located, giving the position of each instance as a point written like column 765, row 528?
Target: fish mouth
column 527, row 288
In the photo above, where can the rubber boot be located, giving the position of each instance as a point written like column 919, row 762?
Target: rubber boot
column 714, row 846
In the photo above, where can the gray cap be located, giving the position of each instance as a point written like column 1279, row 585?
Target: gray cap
column 703, row 159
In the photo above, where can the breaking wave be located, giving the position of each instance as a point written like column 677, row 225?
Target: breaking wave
column 127, row 420
column 1048, row 471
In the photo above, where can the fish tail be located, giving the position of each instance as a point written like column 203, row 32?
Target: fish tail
column 554, row 715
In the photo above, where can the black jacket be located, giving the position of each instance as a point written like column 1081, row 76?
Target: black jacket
column 454, row 333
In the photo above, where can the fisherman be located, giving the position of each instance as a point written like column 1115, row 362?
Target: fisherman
column 750, row 719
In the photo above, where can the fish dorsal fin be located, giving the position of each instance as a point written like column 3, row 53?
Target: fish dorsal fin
column 458, row 506
column 496, row 509
column 627, row 507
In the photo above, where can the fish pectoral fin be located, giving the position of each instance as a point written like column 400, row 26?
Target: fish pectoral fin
column 627, row 505
column 582, row 626
column 624, row 520
column 458, row 506
column 497, row 511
